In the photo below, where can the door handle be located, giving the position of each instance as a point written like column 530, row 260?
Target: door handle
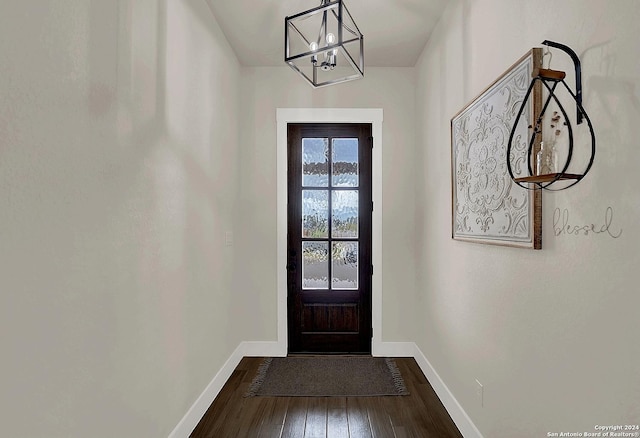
column 292, row 265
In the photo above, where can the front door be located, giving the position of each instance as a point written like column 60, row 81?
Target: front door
column 329, row 238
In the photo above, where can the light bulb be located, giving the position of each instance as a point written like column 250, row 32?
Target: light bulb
column 313, row 46
column 331, row 38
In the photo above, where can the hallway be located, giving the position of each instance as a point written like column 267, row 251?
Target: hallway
column 419, row 414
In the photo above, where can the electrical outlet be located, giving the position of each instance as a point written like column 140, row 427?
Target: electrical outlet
column 480, row 393
column 228, row 238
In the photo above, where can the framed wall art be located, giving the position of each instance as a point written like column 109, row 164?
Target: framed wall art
column 487, row 206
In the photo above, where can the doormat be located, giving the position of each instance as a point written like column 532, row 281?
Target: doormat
column 327, row 376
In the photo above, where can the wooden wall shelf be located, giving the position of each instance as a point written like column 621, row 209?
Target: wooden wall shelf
column 548, row 178
column 549, row 80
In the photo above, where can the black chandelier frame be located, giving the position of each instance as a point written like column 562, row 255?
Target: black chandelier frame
column 336, row 10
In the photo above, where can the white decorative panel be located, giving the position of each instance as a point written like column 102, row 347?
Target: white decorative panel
column 488, row 207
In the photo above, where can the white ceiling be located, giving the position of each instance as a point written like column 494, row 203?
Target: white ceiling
column 395, row 31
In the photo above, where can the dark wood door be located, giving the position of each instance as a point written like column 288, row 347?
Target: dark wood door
column 329, row 238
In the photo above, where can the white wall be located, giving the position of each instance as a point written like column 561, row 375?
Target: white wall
column 118, row 177
column 551, row 334
column 131, row 141
column 264, row 90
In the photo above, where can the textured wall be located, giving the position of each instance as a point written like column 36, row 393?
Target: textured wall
column 118, row 168
column 551, row 334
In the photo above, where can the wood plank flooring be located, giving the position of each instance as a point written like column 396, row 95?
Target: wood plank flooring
column 419, row 415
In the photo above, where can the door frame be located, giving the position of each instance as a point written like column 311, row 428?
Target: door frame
column 329, row 115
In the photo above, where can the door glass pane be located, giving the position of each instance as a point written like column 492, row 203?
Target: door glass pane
column 315, row 213
column 345, row 162
column 315, row 162
column 315, row 265
column 344, row 214
column 344, row 265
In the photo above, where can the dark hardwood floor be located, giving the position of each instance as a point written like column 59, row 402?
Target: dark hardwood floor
column 419, row 414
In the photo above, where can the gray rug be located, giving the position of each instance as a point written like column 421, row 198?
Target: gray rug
column 327, row 376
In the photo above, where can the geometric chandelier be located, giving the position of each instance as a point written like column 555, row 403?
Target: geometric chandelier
column 324, row 44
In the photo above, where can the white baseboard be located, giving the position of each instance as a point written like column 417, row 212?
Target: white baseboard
column 199, row 408
column 388, row 349
column 253, row 349
column 458, row 415
column 393, row 349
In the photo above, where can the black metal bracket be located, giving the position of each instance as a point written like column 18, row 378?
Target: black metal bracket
column 576, row 62
column 550, row 79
